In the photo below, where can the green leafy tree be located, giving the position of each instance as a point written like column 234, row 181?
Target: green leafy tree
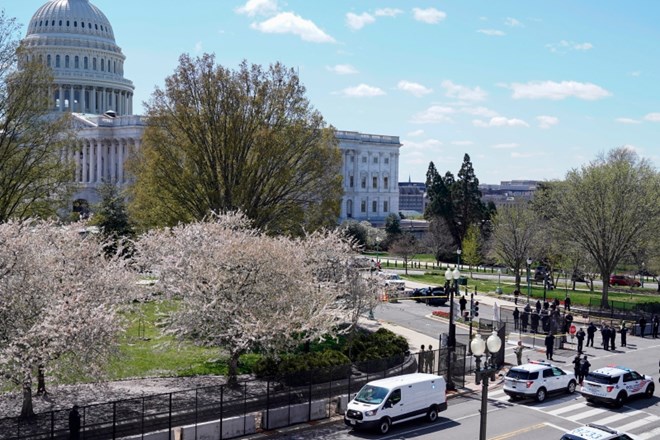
column 357, row 231
column 34, row 177
column 471, row 247
column 221, row 140
column 608, row 207
column 405, row 246
column 392, row 228
column 112, row 218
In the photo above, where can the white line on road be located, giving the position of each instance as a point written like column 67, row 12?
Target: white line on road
column 585, row 414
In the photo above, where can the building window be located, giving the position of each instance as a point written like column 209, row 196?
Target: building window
column 364, row 183
column 374, row 182
column 387, row 160
column 86, row 63
column 385, row 207
column 94, row 64
column 352, row 159
column 60, row 22
column 364, row 159
column 374, row 206
column 48, row 60
column 76, row 62
column 57, row 61
column 386, row 182
column 67, row 23
column 66, row 61
column 75, row 24
column 375, row 159
column 363, row 206
column 102, row 65
column 349, row 208
column 350, row 182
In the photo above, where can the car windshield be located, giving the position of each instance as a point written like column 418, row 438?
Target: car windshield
column 518, row 374
column 371, row 394
column 602, row 378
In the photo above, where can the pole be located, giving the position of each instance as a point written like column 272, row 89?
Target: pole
column 528, row 285
column 484, row 407
column 451, row 343
column 471, row 319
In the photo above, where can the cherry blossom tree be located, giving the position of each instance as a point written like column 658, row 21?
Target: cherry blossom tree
column 59, row 301
column 239, row 289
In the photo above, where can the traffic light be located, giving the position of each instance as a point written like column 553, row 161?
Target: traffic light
column 474, row 309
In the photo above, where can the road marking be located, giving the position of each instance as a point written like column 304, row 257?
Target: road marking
column 585, row 414
column 649, row 434
column 638, row 423
column 564, row 409
column 520, row 431
column 616, row 417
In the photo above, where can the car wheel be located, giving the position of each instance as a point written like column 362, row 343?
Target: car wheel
column 649, row 391
column 541, row 394
column 620, row 399
column 432, row 415
column 384, row 426
column 590, row 400
column 571, row 387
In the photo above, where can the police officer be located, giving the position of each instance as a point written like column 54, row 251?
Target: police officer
column 580, row 339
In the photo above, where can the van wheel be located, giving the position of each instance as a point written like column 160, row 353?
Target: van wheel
column 571, row 387
column 541, row 395
column 649, row 391
column 384, row 425
column 432, row 415
column 620, row 399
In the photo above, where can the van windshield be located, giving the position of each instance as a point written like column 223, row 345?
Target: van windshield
column 371, row 394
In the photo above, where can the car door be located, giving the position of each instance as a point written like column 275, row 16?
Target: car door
column 632, row 382
column 552, row 381
column 395, row 405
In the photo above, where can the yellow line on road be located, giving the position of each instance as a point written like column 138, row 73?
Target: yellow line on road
column 520, row 431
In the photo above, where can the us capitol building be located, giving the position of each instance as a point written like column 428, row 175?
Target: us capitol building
column 75, row 39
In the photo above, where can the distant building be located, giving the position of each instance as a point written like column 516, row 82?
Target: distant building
column 508, row 192
column 370, row 168
column 412, row 198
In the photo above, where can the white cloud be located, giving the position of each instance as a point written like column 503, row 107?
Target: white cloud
column 415, row 89
column 636, row 73
column 653, row 117
column 290, row 23
column 500, row 121
column 558, row 90
column 433, row 115
column 627, row 121
column 258, row 7
column 362, row 91
column 199, row 47
column 427, row 144
column 416, row 133
column 526, row 155
column 342, row 69
column 462, row 143
column 463, row 92
column 491, row 32
column 357, row 22
column 564, row 46
column 483, row 112
column 512, row 22
column 430, row 15
column 388, row 12
column 505, row 146
column 547, row 121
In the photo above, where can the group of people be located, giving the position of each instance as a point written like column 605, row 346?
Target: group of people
column 655, row 324
column 581, row 367
column 542, row 319
column 426, row 362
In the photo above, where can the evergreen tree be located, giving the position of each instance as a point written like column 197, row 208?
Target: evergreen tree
column 469, row 209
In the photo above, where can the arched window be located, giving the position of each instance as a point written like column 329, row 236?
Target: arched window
column 66, row 61
column 82, row 24
column 349, row 208
column 48, row 60
column 76, row 62
column 60, row 22
column 67, row 23
column 85, row 63
column 102, row 65
column 57, row 61
column 94, row 64
column 114, row 67
column 75, row 24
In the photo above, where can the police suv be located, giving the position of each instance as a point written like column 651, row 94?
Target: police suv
column 537, row 380
column 597, row 432
column 615, row 384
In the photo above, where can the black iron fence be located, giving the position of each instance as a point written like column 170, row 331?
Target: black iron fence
column 268, row 403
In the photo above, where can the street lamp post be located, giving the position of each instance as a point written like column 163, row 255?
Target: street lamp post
column 499, row 277
column 378, row 249
column 451, row 340
column 641, row 276
column 458, row 262
column 482, row 374
column 529, row 287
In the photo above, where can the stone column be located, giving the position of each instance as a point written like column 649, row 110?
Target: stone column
column 71, row 92
column 83, row 101
column 76, row 159
column 113, row 162
column 92, row 98
column 61, row 95
column 99, row 160
column 84, row 164
column 120, row 165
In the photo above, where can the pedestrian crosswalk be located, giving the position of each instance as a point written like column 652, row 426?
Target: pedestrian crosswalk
column 574, row 408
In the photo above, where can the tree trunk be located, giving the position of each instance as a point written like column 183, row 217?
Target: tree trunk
column 604, row 302
column 232, row 380
column 41, row 382
column 27, row 410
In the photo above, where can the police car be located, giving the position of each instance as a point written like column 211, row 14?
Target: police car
column 615, row 384
column 597, row 432
column 537, row 380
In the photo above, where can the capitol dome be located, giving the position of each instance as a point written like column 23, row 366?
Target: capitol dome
column 75, row 39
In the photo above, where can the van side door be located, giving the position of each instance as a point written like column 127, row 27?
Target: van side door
column 395, row 406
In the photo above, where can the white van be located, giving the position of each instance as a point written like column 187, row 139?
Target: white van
column 385, row 402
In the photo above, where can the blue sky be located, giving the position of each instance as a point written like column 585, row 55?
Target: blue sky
column 529, row 89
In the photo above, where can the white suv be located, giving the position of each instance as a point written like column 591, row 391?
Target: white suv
column 537, row 380
column 596, row 432
column 614, row 385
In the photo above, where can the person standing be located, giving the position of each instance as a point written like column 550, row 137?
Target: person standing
column 612, row 338
column 516, row 318
column 580, row 339
column 642, row 326
column 591, row 331
column 538, row 306
column 462, row 303
column 516, row 294
column 655, row 323
column 430, row 360
column 535, row 322
column 623, row 331
column 549, row 346
column 584, row 368
column 74, row 423
column 605, row 334
column 576, row 367
column 518, row 350
column 524, row 320
column 567, row 304
column 422, row 360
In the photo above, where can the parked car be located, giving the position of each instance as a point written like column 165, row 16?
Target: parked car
column 623, row 280
column 578, row 276
column 593, row 431
column 614, row 385
column 538, row 380
column 392, row 281
column 540, row 273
